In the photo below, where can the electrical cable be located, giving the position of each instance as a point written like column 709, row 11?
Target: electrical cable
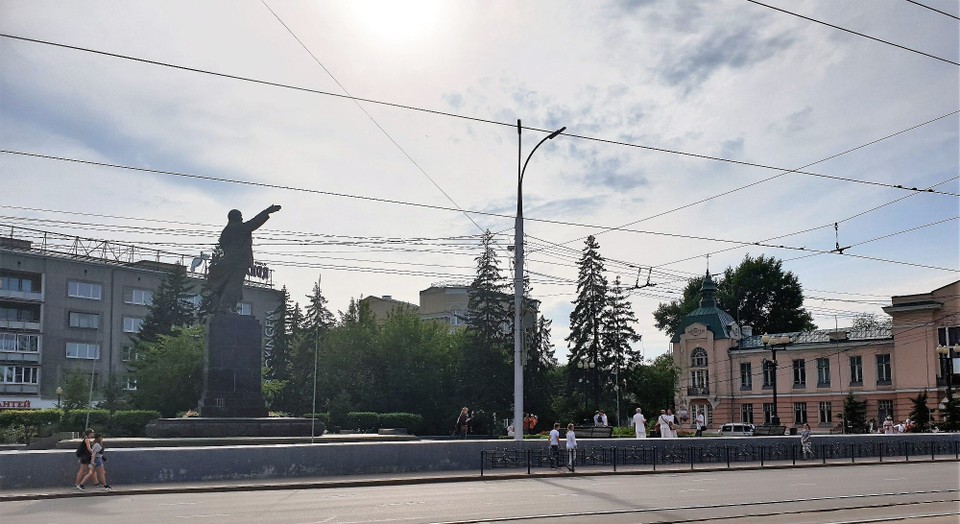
column 955, row 17
column 454, row 115
column 875, row 39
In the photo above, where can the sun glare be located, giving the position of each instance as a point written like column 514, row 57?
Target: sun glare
column 400, row 20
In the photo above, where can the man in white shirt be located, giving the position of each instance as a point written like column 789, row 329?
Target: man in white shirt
column 701, row 423
column 555, row 446
column 640, row 424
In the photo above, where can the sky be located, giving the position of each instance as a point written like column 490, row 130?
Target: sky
column 388, row 133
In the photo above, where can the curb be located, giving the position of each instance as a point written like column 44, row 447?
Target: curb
column 333, row 484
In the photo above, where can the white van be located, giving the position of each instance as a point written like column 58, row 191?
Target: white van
column 737, row 429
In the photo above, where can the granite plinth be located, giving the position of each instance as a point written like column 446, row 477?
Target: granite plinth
column 232, row 368
column 194, row 427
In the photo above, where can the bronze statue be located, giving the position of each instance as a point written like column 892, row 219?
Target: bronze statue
column 227, row 273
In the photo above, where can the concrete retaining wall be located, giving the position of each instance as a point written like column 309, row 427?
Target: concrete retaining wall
column 56, row 468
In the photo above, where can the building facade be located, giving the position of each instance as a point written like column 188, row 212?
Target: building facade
column 732, row 375
column 63, row 312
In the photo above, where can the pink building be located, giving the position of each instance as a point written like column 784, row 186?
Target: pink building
column 733, row 375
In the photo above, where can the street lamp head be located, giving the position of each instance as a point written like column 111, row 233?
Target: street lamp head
column 59, row 391
column 765, row 339
column 557, row 132
column 943, row 350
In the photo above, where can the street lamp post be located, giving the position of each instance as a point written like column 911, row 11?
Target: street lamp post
column 774, row 342
column 59, row 394
column 518, row 282
column 587, row 364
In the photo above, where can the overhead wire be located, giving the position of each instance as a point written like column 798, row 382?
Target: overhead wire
column 875, row 39
column 454, row 115
column 955, row 17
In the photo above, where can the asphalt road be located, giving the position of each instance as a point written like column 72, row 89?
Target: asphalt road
column 920, row 492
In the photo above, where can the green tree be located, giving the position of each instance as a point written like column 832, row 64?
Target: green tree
column 951, row 412
column 854, row 414
column 115, row 394
column 487, row 356
column 585, row 340
column 619, row 336
column 650, row 385
column 170, row 372
column 920, row 414
column 170, row 308
column 76, row 390
column 758, row 293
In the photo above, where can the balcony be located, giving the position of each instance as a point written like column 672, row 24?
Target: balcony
column 698, row 391
column 20, row 324
column 26, row 357
column 23, row 389
column 22, row 295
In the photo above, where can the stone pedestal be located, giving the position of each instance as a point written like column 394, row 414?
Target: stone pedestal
column 232, row 368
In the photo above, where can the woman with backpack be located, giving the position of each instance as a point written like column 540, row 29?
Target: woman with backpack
column 97, row 467
column 85, row 454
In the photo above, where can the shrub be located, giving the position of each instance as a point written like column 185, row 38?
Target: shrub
column 28, row 423
column 624, row 432
column 76, row 420
column 411, row 421
column 363, row 420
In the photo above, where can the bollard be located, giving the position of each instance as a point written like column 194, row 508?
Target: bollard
column 853, row 453
column 823, row 453
column 906, row 451
column 481, row 462
column 726, row 449
column 933, row 451
column 793, row 453
column 528, row 461
column 655, row 457
column 690, row 450
column 614, row 459
column 881, row 451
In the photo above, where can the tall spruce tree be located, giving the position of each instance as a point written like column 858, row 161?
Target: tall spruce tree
column 171, row 307
column 487, row 358
column 585, row 340
column 619, row 335
column 309, row 347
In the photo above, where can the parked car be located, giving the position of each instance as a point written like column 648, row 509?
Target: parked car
column 737, row 429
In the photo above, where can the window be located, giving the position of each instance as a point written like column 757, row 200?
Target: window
column 19, row 375
column 768, row 413
column 84, row 320
column 885, row 409
column 131, row 384
column 948, row 336
column 826, row 412
column 85, row 290
column 769, row 370
column 20, row 312
column 698, row 359
column 128, row 353
column 799, row 413
column 83, row 350
column 746, row 376
column 799, row 373
column 137, row 296
column 245, row 309
column 856, row 370
column 132, row 324
column 746, row 413
column 884, row 373
column 700, row 378
column 823, row 372
column 19, row 282
column 19, row 342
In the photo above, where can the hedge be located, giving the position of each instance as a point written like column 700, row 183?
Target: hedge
column 411, row 421
column 30, row 417
column 75, row 420
column 132, row 423
column 321, row 417
column 363, row 420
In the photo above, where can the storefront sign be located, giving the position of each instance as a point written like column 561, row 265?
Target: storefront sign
column 14, row 404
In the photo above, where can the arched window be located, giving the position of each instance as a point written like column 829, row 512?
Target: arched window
column 698, row 359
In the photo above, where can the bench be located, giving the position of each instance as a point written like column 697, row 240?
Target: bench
column 593, row 431
column 769, row 431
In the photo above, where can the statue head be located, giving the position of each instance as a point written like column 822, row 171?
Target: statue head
column 234, row 216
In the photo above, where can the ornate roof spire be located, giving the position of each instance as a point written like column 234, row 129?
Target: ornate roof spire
column 708, row 292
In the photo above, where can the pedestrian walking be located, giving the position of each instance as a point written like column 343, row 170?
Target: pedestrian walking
column 85, row 454
column 603, row 418
column 674, row 424
column 571, row 447
column 555, row 446
column 701, row 423
column 639, row 424
column 463, row 423
column 664, row 424
column 805, row 442
column 97, row 468
column 888, row 426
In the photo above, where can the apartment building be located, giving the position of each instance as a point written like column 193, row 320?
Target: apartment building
column 731, row 374
column 63, row 311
